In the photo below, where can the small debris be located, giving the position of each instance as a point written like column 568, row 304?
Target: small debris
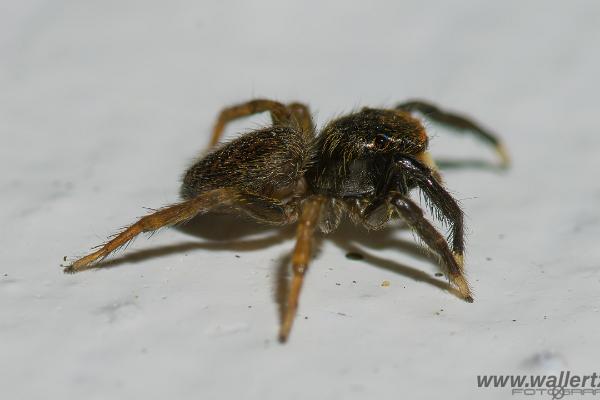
column 385, row 283
column 514, row 320
column 237, row 256
column 249, row 306
column 65, row 258
column 353, row 281
column 438, row 274
column 338, row 284
column 354, row 256
column 488, row 258
column 305, row 317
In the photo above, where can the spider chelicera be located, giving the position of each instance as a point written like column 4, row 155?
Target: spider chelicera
column 363, row 165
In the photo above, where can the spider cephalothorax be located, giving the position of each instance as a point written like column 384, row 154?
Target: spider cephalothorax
column 351, row 151
column 362, row 165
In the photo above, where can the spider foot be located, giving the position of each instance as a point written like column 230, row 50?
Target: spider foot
column 463, row 288
column 83, row 263
column 504, row 157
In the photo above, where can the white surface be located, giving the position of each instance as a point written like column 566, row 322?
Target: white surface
column 103, row 104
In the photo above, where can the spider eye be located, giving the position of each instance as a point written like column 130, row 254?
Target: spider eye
column 380, row 141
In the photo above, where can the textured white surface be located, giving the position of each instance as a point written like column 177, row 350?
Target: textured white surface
column 103, row 104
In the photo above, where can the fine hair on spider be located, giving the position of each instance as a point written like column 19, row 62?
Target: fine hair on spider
column 362, row 165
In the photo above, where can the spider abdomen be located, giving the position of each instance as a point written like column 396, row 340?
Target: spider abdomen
column 264, row 161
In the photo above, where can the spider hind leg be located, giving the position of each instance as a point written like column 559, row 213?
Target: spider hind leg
column 259, row 208
column 281, row 114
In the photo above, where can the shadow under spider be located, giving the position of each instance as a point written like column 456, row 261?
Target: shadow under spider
column 348, row 240
column 229, row 233
column 348, row 237
column 221, row 232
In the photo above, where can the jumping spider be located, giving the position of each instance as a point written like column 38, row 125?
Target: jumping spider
column 363, row 165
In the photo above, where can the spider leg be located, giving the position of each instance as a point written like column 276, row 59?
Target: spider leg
column 412, row 214
column 165, row 216
column 279, row 114
column 301, row 112
column 267, row 210
column 457, row 121
column 440, row 199
column 257, row 207
column 309, row 217
column 426, row 159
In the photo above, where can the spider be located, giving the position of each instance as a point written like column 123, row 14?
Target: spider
column 362, row 165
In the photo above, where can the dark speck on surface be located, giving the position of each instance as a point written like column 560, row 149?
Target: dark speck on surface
column 439, row 274
column 354, row 256
column 237, row 256
column 488, row 258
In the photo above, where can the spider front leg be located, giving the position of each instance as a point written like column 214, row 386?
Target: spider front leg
column 426, row 159
column 412, row 214
column 442, row 202
column 456, row 121
column 308, row 220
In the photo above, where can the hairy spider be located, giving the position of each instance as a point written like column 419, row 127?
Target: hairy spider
column 363, row 165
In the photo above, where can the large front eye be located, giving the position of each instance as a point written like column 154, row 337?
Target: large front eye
column 380, row 141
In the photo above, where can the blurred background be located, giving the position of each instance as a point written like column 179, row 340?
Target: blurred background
column 103, row 104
